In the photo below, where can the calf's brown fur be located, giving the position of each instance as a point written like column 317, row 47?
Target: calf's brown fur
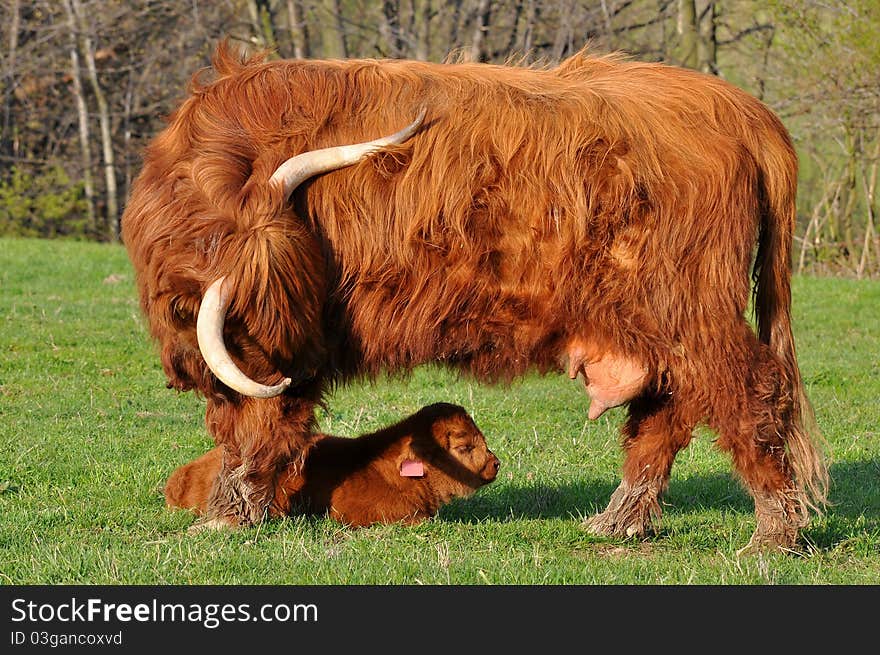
column 404, row 472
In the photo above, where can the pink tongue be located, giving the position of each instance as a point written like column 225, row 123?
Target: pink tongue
column 412, row 468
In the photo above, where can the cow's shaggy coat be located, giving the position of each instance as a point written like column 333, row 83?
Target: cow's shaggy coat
column 600, row 211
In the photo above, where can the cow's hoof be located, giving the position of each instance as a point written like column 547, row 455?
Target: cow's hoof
column 612, row 524
column 778, row 520
column 632, row 511
column 211, row 524
column 765, row 542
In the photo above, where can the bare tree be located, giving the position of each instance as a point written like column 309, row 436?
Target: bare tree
column 83, row 115
column 518, row 7
column 299, row 30
column 85, row 83
column 835, row 99
column 707, row 44
column 421, row 16
column 482, row 20
column 260, row 12
column 688, row 34
column 562, row 33
column 10, row 71
column 870, row 244
column 452, row 39
column 337, row 29
column 389, row 28
column 88, row 53
column 533, row 13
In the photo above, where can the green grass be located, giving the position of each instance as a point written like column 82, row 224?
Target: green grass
column 89, row 433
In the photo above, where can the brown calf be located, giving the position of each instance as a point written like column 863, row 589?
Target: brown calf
column 404, row 472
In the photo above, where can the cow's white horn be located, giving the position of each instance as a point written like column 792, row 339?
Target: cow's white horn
column 298, row 169
column 209, row 330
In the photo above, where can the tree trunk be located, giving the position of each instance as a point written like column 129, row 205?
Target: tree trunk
column 83, row 114
column 452, row 43
column 299, row 30
column 707, row 45
column 261, row 21
column 478, row 44
column 533, row 13
column 126, row 133
column 688, row 35
column 85, row 42
column 339, row 29
column 10, row 76
column 606, row 19
column 853, row 147
column 423, row 39
column 563, row 38
column 869, row 185
column 254, row 14
column 390, row 28
column 514, row 29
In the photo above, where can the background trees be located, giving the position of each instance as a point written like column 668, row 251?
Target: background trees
column 84, row 84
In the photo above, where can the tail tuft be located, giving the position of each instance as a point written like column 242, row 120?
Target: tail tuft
column 772, row 276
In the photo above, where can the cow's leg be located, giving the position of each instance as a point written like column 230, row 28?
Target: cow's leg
column 755, row 429
column 260, row 437
column 657, row 428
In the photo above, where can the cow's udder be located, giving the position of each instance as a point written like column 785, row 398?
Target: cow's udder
column 610, row 379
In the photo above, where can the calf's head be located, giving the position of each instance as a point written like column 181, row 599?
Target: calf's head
column 446, row 443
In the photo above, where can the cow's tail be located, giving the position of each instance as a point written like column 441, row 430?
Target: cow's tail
column 772, row 276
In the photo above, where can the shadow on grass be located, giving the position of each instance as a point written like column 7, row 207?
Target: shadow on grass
column 853, row 512
column 509, row 500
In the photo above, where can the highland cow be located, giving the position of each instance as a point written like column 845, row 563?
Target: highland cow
column 403, row 473
column 301, row 224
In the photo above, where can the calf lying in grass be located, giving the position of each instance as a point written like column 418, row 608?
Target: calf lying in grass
column 402, row 473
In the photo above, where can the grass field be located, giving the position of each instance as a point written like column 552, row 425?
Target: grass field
column 89, row 433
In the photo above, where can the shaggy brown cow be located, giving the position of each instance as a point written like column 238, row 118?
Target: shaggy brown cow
column 601, row 217
column 404, row 472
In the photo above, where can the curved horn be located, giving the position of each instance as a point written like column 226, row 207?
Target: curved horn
column 298, row 169
column 209, row 330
